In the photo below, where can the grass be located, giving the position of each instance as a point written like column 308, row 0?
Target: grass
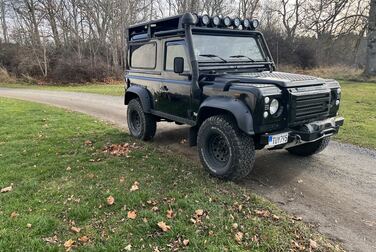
column 106, row 89
column 61, row 180
column 358, row 105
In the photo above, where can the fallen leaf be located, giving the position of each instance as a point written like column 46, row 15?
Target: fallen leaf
column 297, row 245
column 135, row 187
column 170, row 214
column 239, row 236
column 155, row 209
column 88, row 142
column 28, row 225
column 162, row 225
column 297, row 218
column 13, row 215
column 75, row 229
column 132, row 215
column 69, row 168
column 52, row 240
column 199, row 212
column 262, row 213
column 300, row 181
column 110, row 200
column 312, row 244
column 185, row 242
column 68, row 244
column 235, row 226
column 83, row 239
column 6, row 189
column 122, row 179
column 128, row 247
column 118, row 149
column 275, row 217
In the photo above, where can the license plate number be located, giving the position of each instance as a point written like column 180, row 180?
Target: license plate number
column 278, row 139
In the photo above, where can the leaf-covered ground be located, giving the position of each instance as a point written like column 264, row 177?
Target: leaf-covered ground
column 72, row 183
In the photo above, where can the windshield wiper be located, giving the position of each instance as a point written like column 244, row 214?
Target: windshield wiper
column 242, row 56
column 213, row 56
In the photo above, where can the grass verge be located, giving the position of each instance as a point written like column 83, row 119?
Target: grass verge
column 358, row 105
column 106, row 89
column 67, row 193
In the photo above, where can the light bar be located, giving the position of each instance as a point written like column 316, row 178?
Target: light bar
column 218, row 21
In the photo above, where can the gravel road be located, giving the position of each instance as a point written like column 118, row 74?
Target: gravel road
column 334, row 190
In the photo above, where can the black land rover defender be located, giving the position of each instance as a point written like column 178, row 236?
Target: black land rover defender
column 217, row 75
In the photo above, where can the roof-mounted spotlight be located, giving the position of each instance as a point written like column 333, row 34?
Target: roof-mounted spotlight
column 205, row 19
column 217, row 20
column 255, row 23
column 195, row 18
column 247, row 23
column 237, row 22
column 227, row 21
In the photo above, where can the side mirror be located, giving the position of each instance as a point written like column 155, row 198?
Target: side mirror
column 178, row 65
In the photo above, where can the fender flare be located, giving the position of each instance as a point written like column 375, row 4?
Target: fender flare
column 142, row 93
column 234, row 106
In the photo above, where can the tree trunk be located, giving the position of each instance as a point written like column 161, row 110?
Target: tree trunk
column 371, row 41
column 3, row 21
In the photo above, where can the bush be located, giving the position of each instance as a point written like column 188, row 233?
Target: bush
column 73, row 70
column 5, row 77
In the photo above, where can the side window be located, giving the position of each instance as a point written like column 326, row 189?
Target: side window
column 143, row 55
column 175, row 49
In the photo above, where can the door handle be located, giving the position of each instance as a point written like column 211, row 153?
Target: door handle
column 164, row 88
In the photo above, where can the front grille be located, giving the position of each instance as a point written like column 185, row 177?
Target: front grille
column 309, row 107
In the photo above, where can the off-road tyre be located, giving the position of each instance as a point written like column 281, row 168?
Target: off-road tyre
column 309, row 149
column 240, row 148
column 140, row 124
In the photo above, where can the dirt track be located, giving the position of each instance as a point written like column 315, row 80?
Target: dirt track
column 335, row 190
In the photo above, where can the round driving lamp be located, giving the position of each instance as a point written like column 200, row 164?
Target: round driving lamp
column 205, row 19
column 274, row 106
column 247, row 23
column 237, row 22
column 255, row 23
column 195, row 18
column 227, row 21
column 216, row 20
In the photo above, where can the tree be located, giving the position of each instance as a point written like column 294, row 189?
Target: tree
column 3, row 20
column 371, row 41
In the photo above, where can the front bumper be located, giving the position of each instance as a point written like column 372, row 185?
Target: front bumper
column 309, row 132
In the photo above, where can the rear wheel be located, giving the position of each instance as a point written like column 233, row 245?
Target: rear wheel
column 141, row 125
column 225, row 151
column 309, row 149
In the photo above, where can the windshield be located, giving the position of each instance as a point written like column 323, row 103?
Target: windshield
column 213, row 48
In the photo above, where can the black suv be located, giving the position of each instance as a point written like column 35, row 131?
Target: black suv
column 217, row 75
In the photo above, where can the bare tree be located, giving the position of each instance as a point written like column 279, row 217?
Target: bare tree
column 3, row 20
column 371, row 41
column 248, row 8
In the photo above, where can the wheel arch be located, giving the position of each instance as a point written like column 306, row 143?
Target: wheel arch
column 142, row 93
column 219, row 105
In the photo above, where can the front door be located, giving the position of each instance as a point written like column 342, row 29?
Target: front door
column 175, row 91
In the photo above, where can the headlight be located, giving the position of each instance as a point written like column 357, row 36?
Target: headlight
column 246, row 23
column 274, row 106
column 255, row 23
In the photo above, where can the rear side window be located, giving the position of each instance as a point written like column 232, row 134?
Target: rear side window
column 143, row 56
column 175, row 49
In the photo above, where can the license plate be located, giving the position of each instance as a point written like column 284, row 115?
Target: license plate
column 278, row 139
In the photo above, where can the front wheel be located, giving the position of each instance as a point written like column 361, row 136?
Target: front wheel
column 309, row 149
column 141, row 125
column 225, row 151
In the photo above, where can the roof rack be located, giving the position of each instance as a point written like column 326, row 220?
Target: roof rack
column 173, row 25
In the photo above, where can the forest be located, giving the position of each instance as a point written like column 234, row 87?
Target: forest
column 64, row 41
